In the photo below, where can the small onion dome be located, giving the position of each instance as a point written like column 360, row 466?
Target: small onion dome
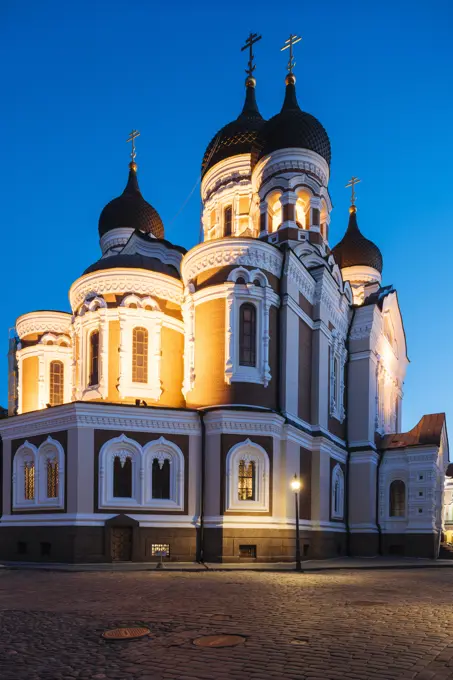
column 294, row 128
column 131, row 210
column 238, row 136
column 354, row 249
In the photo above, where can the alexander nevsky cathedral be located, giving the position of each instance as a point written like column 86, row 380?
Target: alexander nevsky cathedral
column 169, row 410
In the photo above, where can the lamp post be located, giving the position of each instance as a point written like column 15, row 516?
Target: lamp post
column 296, row 486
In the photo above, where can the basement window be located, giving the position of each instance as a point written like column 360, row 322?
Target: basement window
column 247, row 551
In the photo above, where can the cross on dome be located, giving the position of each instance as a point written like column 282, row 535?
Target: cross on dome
column 289, row 44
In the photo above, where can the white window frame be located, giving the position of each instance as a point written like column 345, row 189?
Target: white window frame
column 337, row 477
column 249, row 452
column 142, row 458
column 338, row 356
column 50, row 448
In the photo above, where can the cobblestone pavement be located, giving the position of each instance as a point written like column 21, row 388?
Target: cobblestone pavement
column 358, row 625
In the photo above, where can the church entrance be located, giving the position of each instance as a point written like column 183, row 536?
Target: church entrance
column 121, row 543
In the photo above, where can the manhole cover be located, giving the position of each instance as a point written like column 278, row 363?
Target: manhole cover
column 125, row 633
column 299, row 641
column 219, row 640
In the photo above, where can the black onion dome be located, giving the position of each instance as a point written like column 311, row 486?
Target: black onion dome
column 237, row 137
column 293, row 127
column 355, row 249
column 131, row 210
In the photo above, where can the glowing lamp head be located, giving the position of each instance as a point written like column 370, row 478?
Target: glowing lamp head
column 295, row 484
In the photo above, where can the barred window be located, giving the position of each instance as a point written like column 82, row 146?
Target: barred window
column 161, row 479
column 246, row 481
column 122, row 477
column 227, row 220
column 247, row 335
column 52, row 478
column 94, row 359
column 140, row 355
column 397, row 498
column 56, row 383
column 29, row 480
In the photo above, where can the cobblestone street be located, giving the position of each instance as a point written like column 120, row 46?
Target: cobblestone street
column 346, row 624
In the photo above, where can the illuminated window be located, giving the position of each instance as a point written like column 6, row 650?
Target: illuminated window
column 227, row 220
column 52, row 478
column 160, row 549
column 140, row 355
column 246, row 481
column 397, row 500
column 303, row 210
column 94, row 359
column 161, row 478
column 29, row 480
column 56, row 383
column 247, row 335
column 275, row 214
column 122, row 477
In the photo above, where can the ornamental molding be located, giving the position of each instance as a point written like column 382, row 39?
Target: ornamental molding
column 119, row 281
column 298, row 275
column 337, row 316
column 290, row 160
column 174, row 424
column 43, row 322
column 244, row 427
column 228, row 252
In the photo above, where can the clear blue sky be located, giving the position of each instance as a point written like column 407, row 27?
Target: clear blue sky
column 77, row 76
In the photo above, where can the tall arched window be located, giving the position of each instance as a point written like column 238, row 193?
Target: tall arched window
column 246, row 481
column 56, row 383
column 94, row 359
column 161, row 478
column 52, row 478
column 334, row 395
column 227, row 220
column 397, row 499
column 247, row 335
column 29, row 480
column 337, row 499
column 122, row 476
column 140, row 355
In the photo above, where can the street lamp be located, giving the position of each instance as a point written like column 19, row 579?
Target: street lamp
column 296, row 486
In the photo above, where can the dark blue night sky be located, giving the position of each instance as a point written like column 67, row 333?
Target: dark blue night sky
column 78, row 76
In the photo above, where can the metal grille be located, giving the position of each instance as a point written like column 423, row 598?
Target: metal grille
column 140, row 355
column 247, row 551
column 29, row 480
column 56, row 383
column 52, row 479
column 158, row 549
column 246, row 481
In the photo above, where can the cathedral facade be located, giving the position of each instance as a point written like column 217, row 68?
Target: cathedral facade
column 168, row 411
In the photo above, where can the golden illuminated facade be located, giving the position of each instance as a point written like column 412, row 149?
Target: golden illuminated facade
column 171, row 407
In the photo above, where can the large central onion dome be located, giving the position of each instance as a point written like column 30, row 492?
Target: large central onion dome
column 131, row 210
column 237, row 137
column 354, row 249
column 294, row 128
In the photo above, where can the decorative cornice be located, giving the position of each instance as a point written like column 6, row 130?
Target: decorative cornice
column 297, row 274
column 43, row 322
column 230, row 251
column 119, row 281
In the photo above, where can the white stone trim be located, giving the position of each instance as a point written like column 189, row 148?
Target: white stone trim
column 230, row 251
column 249, row 452
column 97, row 519
column 337, row 478
column 141, row 458
column 118, row 281
column 338, row 358
column 46, row 354
column 43, row 322
column 50, row 448
column 188, row 315
column 114, row 240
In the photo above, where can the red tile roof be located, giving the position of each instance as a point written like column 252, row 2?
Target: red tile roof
column 427, row 431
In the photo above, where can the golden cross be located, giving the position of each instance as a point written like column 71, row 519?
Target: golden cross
column 251, row 40
column 132, row 137
column 292, row 40
column 352, row 182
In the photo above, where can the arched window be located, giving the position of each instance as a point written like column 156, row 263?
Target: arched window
column 227, row 220
column 247, row 478
column 275, row 212
column 303, row 210
column 335, row 383
column 52, row 478
column 337, row 500
column 56, row 383
column 93, row 378
column 246, row 481
column 397, row 499
column 29, row 480
column 161, row 478
column 247, row 335
column 140, row 355
column 122, row 476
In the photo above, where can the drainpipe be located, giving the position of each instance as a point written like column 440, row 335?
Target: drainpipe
column 200, row 552
column 379, row 528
